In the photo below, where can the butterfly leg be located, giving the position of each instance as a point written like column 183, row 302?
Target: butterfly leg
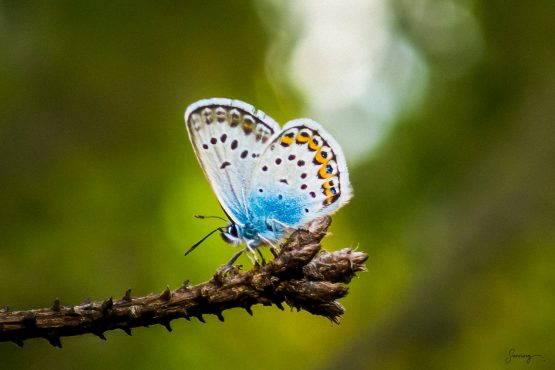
column 273, row 248
column 288, row 229
column 234, row 258
column 251, row 254
column 261, row 256
column 249, row 251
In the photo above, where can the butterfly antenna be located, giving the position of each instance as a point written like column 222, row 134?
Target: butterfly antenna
column 203, row 239
column 202, row 217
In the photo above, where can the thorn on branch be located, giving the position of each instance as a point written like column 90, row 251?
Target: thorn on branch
column 167, row 325
column 127, row 296
column 107, row 305
column 184, row 287
column 166, row 295
column 54, row 341
column 101, row 335
column 56, row 305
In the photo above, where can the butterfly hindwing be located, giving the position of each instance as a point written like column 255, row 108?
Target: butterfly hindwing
column 301, row 175
column 229, row 137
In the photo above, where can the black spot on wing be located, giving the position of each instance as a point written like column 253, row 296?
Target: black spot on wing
column 224, row 165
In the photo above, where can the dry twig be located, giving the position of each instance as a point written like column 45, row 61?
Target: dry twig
column 298, row 276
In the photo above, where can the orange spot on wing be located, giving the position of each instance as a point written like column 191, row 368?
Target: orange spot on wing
column 302, row 139
column 318, row 157
column 248, row 127
column 287, row 140
column 324, row 173
column 328, row 193
column 328, row 185
column 312, row 145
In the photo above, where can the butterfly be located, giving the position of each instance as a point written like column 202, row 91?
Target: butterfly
column 269, row 180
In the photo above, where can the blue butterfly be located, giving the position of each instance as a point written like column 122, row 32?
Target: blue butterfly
column 269, row 181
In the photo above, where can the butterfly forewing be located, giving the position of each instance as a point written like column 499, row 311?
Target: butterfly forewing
column 229, row 137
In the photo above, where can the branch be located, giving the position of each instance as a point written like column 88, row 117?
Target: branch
column 298, row 276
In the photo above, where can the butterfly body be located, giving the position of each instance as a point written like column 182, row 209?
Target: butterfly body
column 269, row 180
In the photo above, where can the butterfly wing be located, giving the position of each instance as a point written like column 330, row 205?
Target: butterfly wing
column 301, row 175
column 228, row 137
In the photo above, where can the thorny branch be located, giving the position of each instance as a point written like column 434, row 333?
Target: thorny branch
column 298, row 276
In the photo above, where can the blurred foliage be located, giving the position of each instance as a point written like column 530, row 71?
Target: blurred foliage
column 99, row 184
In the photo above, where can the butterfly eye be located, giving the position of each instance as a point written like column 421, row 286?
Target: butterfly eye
column 231, row 235
column 232, row 230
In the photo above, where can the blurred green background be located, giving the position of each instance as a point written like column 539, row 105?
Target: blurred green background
column 445, row 110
